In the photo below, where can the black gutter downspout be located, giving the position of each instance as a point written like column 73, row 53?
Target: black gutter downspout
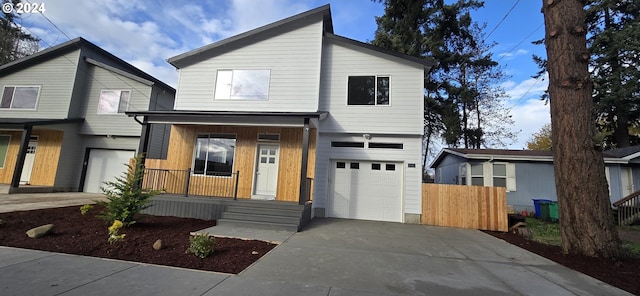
column 305, row 162
column 144, row 143
column 22, row 154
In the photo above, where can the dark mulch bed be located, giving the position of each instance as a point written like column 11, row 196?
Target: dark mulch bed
column 624, row 273
column 87, row 235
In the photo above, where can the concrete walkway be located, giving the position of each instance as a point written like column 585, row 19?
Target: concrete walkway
column 35, row 201
column 330, row 257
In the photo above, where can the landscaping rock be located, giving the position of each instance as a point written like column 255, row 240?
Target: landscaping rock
column 40, row 231
column 254, row 253
column 157, row 245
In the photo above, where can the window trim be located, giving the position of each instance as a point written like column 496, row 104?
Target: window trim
column 119, row 102
column 35, row 106
column 209, row 136
column 4, row 159
column 375, row 99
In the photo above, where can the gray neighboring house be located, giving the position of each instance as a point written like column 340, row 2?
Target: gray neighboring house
column 62, row 118
column 528, row 174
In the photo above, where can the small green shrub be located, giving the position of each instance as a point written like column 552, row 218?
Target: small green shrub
column 125, row 196
column 201, row 245
column 85, row 209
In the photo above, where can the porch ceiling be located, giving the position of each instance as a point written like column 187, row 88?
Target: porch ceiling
column 242, row 118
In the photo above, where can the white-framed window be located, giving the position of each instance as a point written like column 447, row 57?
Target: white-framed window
column 4, row 147
column 214, row 154
column 497, row 174
column 242, row 85
column 113, row 101
column 20, row 97
column 368, row 90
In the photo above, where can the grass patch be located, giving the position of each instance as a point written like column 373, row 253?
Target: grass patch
column 544, row 232
column 549, row 233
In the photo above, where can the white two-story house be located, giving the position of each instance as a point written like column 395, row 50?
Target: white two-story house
column 63, row 125
column 293, row 112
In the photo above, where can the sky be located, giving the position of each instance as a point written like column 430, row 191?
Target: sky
column 146, row 33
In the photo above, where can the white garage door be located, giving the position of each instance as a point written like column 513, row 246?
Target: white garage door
column 105, row 165
column 366, row 190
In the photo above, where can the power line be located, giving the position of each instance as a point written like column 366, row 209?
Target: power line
column 503, row 18
column 521, row 41
column 526, row 92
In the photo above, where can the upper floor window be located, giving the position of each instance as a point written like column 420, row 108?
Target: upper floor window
column 20, row 97
column 242, row 85
column 113, row 101
column 368, row 90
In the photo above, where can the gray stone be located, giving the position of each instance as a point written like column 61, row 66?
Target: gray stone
column 412, row 218
column 40, row 231
column 157, row 245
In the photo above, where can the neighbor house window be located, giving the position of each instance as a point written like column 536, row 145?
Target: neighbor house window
column 19, row 97
column 489, row 174
column 368, row 90
column 477, row 177
column 4, row 147
column 214, row 155
column 242, row 85
column 113, row 101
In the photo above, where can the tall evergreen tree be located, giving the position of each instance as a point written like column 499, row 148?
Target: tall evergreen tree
column 15, row 42
column 614, row 45
column 462, row 84
column 586, row 219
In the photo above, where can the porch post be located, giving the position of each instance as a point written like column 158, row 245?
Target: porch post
column 22, row 154
column 144, row 139
column 302, row 199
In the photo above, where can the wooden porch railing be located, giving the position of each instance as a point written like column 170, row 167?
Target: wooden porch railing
column 628, row 208
column 185, row 182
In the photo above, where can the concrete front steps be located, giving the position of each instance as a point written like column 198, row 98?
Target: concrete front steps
column 266, row 215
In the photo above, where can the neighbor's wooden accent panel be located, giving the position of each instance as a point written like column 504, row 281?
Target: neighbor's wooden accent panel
column 180, row 156
column 45, row 164
column 6, row 172
column 474, row 207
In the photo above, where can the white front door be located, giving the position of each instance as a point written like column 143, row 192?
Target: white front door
column 627, row 181
column 25, row 177
column 266, row 177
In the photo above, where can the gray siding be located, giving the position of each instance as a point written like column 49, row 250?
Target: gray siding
column 533, row 180
column 56, row 80
column 99, row 79
column 412, row 190
column 159, row 141
column 293, row 58
column 402, row 116
column 448, row 169
column 161, row 99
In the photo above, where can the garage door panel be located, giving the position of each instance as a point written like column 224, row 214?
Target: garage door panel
column 368, row 190
column 103, row 166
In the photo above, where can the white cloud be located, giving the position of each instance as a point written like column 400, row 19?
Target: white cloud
column 530, row 88
column 510, row 55
column 529, row 117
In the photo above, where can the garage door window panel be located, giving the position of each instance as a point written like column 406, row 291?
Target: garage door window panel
column 214, row 155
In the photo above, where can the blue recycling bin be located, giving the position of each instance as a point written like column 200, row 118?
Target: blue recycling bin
column 536, row 205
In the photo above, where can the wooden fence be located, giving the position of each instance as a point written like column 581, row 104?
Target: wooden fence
column 474, row 207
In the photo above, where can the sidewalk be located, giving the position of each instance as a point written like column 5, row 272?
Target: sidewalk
column 35, row 201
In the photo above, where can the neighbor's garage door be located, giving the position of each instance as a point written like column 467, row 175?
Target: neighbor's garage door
column 105, row 165
column 366, row 190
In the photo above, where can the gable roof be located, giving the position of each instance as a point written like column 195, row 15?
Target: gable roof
column 622, row 155
column 281, row 26
column 72, row 45
column 228, row 44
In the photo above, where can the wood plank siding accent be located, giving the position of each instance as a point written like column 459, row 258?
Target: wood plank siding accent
column 474, row 207
column 45, row 164
column 180, row 157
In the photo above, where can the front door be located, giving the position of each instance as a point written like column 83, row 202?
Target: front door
column 266, row 177
column 627, row 181
column 25, row 177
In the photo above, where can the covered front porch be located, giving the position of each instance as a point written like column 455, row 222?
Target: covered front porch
column 235, row 155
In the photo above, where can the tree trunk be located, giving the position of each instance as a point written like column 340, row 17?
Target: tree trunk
column 586, row 220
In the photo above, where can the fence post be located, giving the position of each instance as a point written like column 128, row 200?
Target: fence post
column 186, row 188
column 235, row 191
